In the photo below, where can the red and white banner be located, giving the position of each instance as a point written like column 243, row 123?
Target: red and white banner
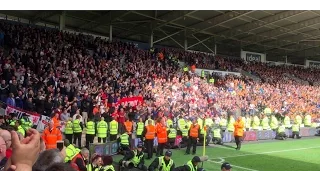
column 133, row 101
column 43, row 123
column 34, row 117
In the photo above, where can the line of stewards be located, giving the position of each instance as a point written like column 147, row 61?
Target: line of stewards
column 193, row 135
column 113, row 130
column 149, row 133
column 136, row 156
column 191, row 165
column 78, row 162
column 102, row 130
column 125, row 142
column 77, row 131
column 238, row 132
column 128, row 127
column 90, row 133
column 51, row 135
column 163, row 163
column 161, row 131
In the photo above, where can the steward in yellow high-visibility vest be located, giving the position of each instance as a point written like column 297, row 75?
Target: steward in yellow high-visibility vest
column 68, row 130
column 211, row 81
column 146, row 122
column 248, row 123
column 172, row 134
column 307, row 121
column 125, row 142
column 265, row 123
column 185, row 69
column 139, row 130
column 102, row 131
column 287, row 122
column 296, row 130
column 217, row 135
column 230, row 127
column 181, row 124
column 274, row 123
column 298, row 119
column 113, row 130
column 169, row 122
column 202, row 74
column 281, row 132
column 91, row 132
column 77, row 131
column 256, row 123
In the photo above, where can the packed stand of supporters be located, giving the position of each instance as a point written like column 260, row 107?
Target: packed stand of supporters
column 78, row 81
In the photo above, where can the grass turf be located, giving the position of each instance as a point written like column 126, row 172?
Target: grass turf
column 287, row 155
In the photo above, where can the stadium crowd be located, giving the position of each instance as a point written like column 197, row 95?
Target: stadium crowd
column 78, row 80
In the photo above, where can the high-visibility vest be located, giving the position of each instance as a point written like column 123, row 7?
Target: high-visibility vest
column 274, row 123
column 211, row 81
column 286, row 121
column 91, row 128
column 181, row 124
column 128, row 125
column 256, row 122
column 217, row 133
column 298, row 119
column 230, row 124
column 140, row 127
column 194, row 131
column 102, row 128
column 295, row 127
column 71, row 152
column 281, row 129
column 184, row 131
column 26, row 124
column 12, row 122
column 173, row 133
column 265, row 123
column 223, row 122
column 109, row 167
column 146, row 123
column 69, row 128
column 161, row 133
column 307, row 120
column 192, row 168
column 314, row 125
column 200, row 123
column 76, row 126
column 248, row 123
column 202, row 73
column 124, row 139
column 185, row 69
column 113, row 127
column 137, row 158
column 21, row 130
column 151, row 132
column 267, row 111
column 169, row 122
column 208, row 122
column 163, row 164
column 90, row 168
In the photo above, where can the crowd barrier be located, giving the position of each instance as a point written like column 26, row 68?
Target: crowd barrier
column 267, row 134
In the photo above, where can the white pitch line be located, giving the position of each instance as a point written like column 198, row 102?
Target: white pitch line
column 269, row 152
column 240, row 167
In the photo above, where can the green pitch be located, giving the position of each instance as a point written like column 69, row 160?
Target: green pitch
column 288, row 155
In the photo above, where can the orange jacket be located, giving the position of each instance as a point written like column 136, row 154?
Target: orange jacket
column 151, row 132
column 56, row 122
column 51, row 138
column 128, row 125
column 162, row 133
column 238, row 128
column 194, row 131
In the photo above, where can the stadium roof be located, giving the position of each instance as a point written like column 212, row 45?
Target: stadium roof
column 278, row 33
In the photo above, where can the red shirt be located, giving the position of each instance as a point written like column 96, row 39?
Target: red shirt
column 8, row 153
column 121, row 118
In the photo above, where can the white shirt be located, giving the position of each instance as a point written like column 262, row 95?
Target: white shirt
column 75, row 116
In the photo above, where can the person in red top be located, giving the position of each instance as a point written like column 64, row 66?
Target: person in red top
column 51, row 135
column 162, row 135
column 194, row 133
column 121, row 119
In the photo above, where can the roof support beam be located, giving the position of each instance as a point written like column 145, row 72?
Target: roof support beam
column 42, row 15
column 104, row 22
column 292, row 28
column 171, row 38
column 223, row 18
column 167, row 36
column 200, row 42
column 262, row 22
column 96, row 19
column 203, row 44
column 185, row 13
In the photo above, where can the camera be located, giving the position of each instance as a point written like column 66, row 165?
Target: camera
column 126, row 164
